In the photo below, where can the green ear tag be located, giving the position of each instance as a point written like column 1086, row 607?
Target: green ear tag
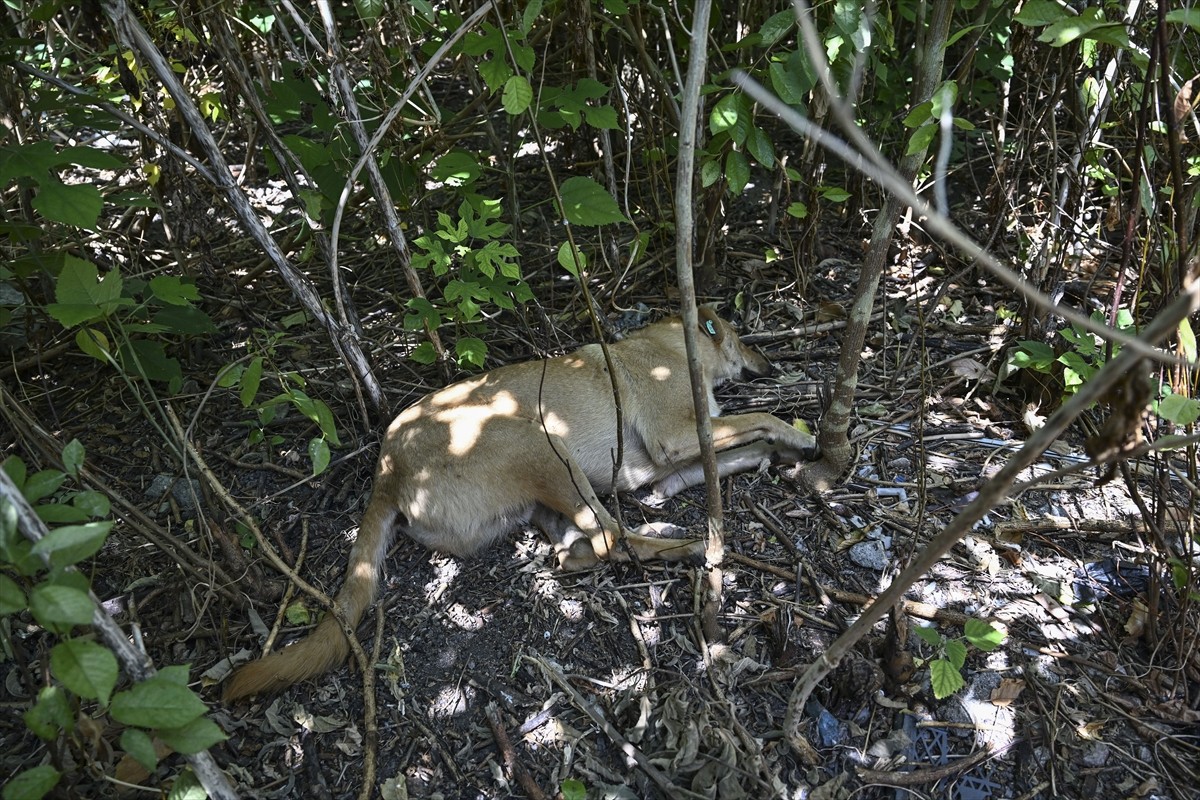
column 710, row 327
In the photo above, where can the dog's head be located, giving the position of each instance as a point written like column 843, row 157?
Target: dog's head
column 728, row 357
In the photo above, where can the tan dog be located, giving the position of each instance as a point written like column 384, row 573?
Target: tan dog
column 537, row 442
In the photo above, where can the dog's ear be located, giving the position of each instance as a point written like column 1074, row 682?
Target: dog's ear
column 711, row 324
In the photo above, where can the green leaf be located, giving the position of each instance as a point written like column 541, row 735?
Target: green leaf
column 1179, row 409
column 318, row 453
column 187, row 320
column 73, row 543
column 945, row 678
column 92, row 503
column 93, row 343
column 1035, row 13
column 150, row 360
column 187, row 787
column 798, row 210
column 471, row 350
column 777, row 26
column 921, row 139
column 956, row 652
column 91, row 158
column 42, row 484
column 139, row 745
column 456, row 168
column 517, row 95
column 424, row 353
column 737, row 171
column 573, row 789
column 32, row 784
column 571, row 258
column 602, row 117
column 325, row 421
column 731, row 115
column 983, row 635
column 368, row 10
column 530, row 15
column 86, row 668
column 495, row 73
column 587, row 203
column 78, row 205
column 58, row 513
column 14, row 467
column 759, row 145
column 198, row 735
column 59, row 608
column 72, row 457
column 12, row 598
column 1187, row 339
column 173, row 290
column 157, row 703
column 82, row 295
column 929, row 635
column 710, row 172
column 1185, row 16
column 52, row 715
column 251, row 379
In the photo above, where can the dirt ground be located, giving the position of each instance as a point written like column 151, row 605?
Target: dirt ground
column 501, row 675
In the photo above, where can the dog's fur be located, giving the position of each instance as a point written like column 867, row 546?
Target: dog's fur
column 536, row 442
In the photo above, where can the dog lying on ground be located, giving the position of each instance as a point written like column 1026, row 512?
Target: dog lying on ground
column 536, row 442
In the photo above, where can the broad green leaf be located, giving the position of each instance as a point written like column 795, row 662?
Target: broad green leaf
column 517, row 95
column 82, row 295
column 471, row 350
column 93, row 343
column 983, row 635
column 78, row 205
column 251, row 379
column 759, row 145
column 52, row 715
column 187, row 320
column 956, row 652
column 573, row 790
column 456, row 168
column 173, row 290
column 86, row 668
column 59, row 608
column 530, row 15
column 325, row 421
column 571, row 258
column 176, row 673
column 187, row 787
column 945, row 678
column 587, row 203
column 140, row 746
column 1035, row 13
column 58, row 513
column 198, row 735
column 710, row 172
column 602, row 117
column 424, row 353
column 1187, row 340
column 318, row 453
column 1185, row 16
column 42, row 484
column 31, row 160
column 777, row 26
column 737, row 171
column 368, row 10
column 73, row 543
column 921, row 139
column 731, row 115
column 1179, row 409
column 12, row 598
column 92, row 503
column 150, row 360
column 14, row 467
column 929, row 635
column 157, row 703
column 495, row 73
column 787, row 83
column 32, row 784
column 72, row 457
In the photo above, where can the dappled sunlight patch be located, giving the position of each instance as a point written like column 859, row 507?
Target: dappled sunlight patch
column 446, row 570
column 466, row 619
column 451, row 701
column 573, row 610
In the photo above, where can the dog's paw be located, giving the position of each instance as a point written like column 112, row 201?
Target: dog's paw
column 653, row 501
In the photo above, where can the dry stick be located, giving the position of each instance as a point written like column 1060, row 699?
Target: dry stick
column 925, row 774
column 131, row 34
column 137, row 664
column 990, row 494
column 684, row 227
column 555, row 673
column 508, row 754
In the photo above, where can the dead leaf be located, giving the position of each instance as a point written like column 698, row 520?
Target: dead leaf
column 1090, row 730
column 1135, row 626
column 1185, row 104
column 971, row 369
column 1008, row 691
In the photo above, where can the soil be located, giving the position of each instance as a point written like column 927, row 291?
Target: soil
column 602, row 681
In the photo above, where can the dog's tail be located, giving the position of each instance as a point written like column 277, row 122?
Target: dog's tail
column 327, row 647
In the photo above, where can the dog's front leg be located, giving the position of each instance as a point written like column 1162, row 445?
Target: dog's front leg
column 742, row 441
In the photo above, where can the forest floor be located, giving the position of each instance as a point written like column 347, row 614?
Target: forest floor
column 503, row 666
